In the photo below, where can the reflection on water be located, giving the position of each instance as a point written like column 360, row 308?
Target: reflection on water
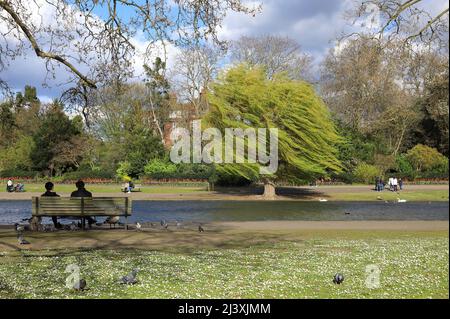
column 206, row 211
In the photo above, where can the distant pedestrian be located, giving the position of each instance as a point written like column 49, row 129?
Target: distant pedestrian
column 395, row 184
column 400, row 184
column 20, row 188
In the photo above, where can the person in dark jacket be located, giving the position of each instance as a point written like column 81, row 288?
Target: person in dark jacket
column 50, row 193
column 82, row 192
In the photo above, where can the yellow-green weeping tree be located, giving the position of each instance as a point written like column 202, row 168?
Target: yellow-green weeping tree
column 244, row 98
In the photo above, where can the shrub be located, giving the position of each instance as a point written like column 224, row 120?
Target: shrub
column 366, row 173
column 424, row 158
column 404, row 167
column 18, row 173
column 158, row 167
column 124, row 170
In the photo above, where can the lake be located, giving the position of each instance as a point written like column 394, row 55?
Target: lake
column 209, row 211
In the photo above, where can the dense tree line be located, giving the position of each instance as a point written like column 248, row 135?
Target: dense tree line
column 381, row 108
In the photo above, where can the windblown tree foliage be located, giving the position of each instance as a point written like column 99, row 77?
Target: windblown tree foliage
column 244, row 98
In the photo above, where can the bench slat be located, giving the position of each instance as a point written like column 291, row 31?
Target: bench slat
column 77, row 207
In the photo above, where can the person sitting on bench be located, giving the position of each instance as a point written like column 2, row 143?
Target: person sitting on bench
column 10, row 186
column 20, row 188
column 50, row 193
column 82, row 192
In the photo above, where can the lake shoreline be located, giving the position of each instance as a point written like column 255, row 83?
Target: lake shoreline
column 330, row 193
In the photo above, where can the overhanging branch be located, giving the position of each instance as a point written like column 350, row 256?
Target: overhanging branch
column 39, row 52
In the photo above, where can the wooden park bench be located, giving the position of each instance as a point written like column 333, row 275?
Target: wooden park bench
column 136, row 188
column 81, row 207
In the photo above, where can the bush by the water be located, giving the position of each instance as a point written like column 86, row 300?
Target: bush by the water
column 366, row 173
column 161, row 169
column 425, row 159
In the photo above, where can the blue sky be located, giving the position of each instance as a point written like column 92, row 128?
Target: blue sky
column 314, row 24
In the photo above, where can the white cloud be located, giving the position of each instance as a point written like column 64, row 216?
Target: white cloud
column 314, row 24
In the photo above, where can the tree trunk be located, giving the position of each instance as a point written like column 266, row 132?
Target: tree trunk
column 155, row 121
column 269, row 190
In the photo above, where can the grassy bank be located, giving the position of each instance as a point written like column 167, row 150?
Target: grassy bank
column 174, row 192
column 115, row 188
column 265, row 264
column 409, row 195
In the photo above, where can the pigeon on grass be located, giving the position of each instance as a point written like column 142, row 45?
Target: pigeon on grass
column 129, row 279
column 338, row 279
column 80, row 285
column 21, row 240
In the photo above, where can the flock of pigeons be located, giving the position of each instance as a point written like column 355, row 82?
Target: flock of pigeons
column 129, row 279
column 165, row 225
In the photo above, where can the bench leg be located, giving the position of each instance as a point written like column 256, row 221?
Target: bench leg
column 126, row 224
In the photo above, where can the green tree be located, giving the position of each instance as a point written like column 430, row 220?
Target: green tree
column 159, row 167
column 139, row 144
column 56, row 133
column 18, row 155
column 366, row 173
column 244, row 98
column 158, row 97
column 7, row 124
column 433, row 129
column 424, row 158
column 27, row 109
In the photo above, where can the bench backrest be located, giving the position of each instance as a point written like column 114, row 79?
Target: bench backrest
column 95, row 206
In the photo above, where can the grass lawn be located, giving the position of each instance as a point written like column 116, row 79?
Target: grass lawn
column 229, row 264
column 362, row 193
column 410, row 195
column 115, row 188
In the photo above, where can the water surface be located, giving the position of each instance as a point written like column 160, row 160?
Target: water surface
column 208, row 211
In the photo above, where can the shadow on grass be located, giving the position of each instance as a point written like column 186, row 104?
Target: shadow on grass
column 186, row 241
column 289, row 192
